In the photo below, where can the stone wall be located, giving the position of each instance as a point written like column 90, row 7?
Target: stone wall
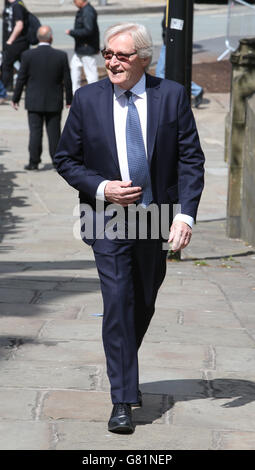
column 248, row 193
column 240, row 144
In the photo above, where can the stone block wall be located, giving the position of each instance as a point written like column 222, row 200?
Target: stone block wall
column 248, row 193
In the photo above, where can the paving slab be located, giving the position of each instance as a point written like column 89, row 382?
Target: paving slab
column 185, row 334
column 214, row 413
column 20, row 327
column 173, row 355
column 17, row 404
column 24, row 435
column 207, row 318
column 46, row 375
column 235, row 440
column 72, row 330
column 235, row 359
column 172, row 382
column 146, row 437
column 81, row 352
column 31, row 310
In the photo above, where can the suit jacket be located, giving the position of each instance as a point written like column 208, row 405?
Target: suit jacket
column 87, row 152
column 45, row 72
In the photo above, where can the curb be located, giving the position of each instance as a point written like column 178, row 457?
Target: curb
column 113, row 10
column 105, row 11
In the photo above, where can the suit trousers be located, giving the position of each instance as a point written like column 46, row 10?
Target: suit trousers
column 53, row 127
column 130, row 272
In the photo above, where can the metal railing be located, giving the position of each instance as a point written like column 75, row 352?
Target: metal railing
column 240, row 24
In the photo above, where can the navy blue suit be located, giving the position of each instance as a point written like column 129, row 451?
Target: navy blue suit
column 131, row 271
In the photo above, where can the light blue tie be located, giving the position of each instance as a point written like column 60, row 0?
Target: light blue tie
column 136, row 154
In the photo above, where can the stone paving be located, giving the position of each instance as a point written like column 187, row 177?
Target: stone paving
column 197, row 359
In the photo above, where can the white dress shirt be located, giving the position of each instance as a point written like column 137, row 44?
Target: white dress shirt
column 120, row 110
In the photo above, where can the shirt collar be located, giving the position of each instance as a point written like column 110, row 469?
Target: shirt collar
column 138, row 89
column 44, row 44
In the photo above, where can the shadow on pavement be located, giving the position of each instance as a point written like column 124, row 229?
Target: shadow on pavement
column 37, row 288
column 9, row 344
column 9, row 221
column 159, row 397
column 23, row 266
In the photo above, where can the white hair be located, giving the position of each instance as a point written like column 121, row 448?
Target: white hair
column 141, row 37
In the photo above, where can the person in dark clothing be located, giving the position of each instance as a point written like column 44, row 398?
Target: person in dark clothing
column 45, row 72
column 15, row 26
column 86, row 36
column 196, row 90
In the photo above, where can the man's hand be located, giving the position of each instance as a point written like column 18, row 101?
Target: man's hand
column 121, row 192
column 15, row 105
column 68, row 31
column 180, row 235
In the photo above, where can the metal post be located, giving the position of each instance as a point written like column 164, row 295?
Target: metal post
column 179, row 38
column 188, row 45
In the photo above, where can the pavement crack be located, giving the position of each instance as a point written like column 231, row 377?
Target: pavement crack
column 210, row 357
column 216, row 440
column 81, row 312
column 41, row 330
column 180, row 318
column 40, row 399
column 168, row 409
column 54, row 436
column 36, row 297
column 207, row 381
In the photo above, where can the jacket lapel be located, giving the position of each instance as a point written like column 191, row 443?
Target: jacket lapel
column 106, row 113
column 153, row 109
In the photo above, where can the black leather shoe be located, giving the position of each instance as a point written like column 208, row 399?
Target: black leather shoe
column 121, row 419
column 31, row 166
column 139, row 403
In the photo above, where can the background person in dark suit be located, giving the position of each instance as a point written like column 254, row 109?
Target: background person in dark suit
column 131, row 138
column 45, row 72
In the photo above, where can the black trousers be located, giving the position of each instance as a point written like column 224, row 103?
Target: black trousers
column 130, row 272
column 53, row 127
column 11, row 53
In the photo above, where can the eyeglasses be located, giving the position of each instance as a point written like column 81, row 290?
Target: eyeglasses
column 121, row 56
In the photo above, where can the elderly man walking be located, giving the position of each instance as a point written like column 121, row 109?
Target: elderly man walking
column 45, row 73
column 131, row 139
